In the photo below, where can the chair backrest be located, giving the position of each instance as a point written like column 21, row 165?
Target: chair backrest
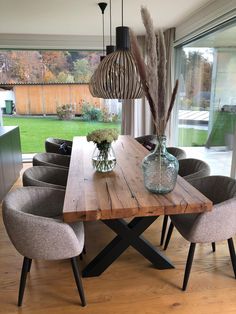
column 177, row 152
column 56, row 145
column 31, row 217
column 191, row 168
column 220, row 223
column 149, row 142
column 46, row 177
column 145, row 139
column 217, row 188
column 51, row 160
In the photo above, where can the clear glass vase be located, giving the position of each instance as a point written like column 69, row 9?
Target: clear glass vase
column 104, row 158
column 160, row 169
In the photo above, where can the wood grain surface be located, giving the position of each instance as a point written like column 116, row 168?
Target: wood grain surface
column 91, row 195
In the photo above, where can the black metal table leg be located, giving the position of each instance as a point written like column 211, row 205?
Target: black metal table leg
column 127, row 234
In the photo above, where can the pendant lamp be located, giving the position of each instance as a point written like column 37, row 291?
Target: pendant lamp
column 92, row 85
column 102, row 6
column 117, row 76
column 110, row 48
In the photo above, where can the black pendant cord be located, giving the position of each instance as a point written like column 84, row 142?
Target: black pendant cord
column 103, row 34
column 102, row 6
column 110, row 25
column 122, row 18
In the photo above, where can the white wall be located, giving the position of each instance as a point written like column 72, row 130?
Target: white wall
column 6, row 95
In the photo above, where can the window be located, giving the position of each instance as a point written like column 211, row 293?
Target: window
column 207, row 97
column 46, row 89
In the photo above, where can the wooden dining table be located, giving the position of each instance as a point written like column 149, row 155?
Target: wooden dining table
column 114, row 196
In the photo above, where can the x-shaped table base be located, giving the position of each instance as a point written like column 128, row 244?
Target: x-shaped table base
column 127, row 234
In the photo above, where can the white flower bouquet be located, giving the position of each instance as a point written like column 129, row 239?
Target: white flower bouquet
column 103, row 157
column 103, row 136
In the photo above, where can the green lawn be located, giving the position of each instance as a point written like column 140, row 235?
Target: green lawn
column 34, row 130
column 192, row 137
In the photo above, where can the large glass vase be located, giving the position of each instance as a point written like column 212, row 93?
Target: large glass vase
column 160, row 169
column 104, row 159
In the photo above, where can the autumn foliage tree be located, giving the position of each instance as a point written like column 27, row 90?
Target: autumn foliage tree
column 47, row 66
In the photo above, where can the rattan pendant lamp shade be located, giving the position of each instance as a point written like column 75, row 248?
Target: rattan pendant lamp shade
column 117, row 76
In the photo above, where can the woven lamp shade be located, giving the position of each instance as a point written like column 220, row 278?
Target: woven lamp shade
column 92, row 85
column 117, row 75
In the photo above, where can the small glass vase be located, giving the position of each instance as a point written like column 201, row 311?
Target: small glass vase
column 104, row 158
column 160, row 169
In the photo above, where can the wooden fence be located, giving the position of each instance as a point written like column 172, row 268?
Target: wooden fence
column 44, row 99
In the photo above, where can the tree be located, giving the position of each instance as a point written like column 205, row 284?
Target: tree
column 198, row 73
column 48, row 76
column 55, row 61
column 82, row 71
column 65, row 77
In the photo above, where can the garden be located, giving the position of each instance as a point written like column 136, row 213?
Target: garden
column 34, row 130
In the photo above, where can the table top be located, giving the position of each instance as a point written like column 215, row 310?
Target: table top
column 91, row 195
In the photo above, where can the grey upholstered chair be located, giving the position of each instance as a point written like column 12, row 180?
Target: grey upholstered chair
column 149, row 142
column 189, row 169
column 146, row 139
column 51, row 177
column 55, row 145
column 177, row 152
column 51, row 160
column 33, row 220
column 216, row 225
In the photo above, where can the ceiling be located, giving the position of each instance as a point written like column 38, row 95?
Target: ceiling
column 83, row 17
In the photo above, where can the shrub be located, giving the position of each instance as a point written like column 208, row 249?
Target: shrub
column 105, row 115
column 90, row 112
column 65, row 112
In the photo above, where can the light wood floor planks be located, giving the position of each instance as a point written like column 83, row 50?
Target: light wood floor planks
column 129, row 286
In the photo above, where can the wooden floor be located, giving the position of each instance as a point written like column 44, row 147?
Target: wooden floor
column 130, row 285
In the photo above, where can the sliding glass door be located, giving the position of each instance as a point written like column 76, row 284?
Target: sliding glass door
column 206, row 69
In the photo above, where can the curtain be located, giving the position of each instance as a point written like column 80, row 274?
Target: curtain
column 136, row 116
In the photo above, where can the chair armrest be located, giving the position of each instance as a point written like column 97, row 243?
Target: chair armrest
column 41, row 237
column 217, row 225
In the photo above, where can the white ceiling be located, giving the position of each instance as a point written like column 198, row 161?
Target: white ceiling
column 83, row 17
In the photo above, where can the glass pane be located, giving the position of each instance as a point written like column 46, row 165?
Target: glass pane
column 207, row 98
column 46, row 94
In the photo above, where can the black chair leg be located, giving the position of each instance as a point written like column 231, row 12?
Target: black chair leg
column 232, row 254
column 78, row 280
column 188, row 265
column 170, row 230
column 24, row 271
column 29, row 266
column 83, row 253
column 163, row 230
column 213, row 246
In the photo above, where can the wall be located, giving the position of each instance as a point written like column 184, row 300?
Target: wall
column 43, row 99
column 6, row 95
